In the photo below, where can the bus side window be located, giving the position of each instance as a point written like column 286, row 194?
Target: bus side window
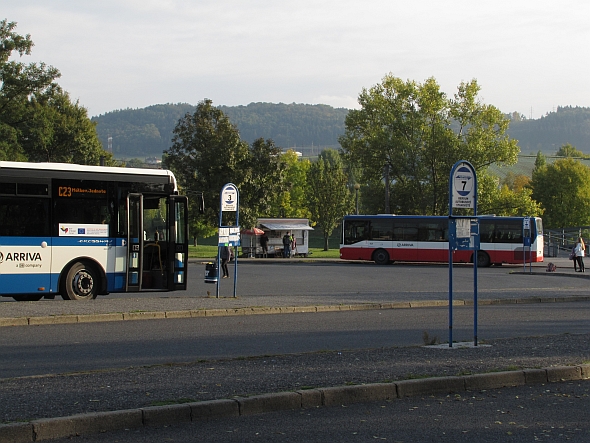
column 354, row 232
column 365, row 232
column 24, row 217
column 411, row 234
column 424, row 234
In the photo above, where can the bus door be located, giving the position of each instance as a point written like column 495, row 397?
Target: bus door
column 177, row 243
column 157, row 242
column 135, row 238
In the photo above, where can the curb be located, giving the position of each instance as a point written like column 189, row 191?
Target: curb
column 265, row 310
column 91, row 423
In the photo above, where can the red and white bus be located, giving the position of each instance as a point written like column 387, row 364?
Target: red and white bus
column 389, row 238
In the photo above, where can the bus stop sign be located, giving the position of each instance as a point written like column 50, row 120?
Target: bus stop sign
column 463, row 186
column 526, row 227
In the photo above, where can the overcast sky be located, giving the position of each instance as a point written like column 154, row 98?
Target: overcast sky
column 528, row 56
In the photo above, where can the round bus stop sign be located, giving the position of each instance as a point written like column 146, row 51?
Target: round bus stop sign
column 463, row 186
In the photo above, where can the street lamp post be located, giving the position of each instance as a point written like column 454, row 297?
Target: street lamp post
column 356, row 190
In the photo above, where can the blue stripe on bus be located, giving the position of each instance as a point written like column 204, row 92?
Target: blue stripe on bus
column 27, row 283
column 24, row 241
column 83, row 241
column 116, row 282
column 30, row 283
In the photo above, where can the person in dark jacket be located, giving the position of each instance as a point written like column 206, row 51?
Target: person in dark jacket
column 287, row 245
column 224, row 255
column 264, row 244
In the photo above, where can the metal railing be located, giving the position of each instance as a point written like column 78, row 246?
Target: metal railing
column 561, row 241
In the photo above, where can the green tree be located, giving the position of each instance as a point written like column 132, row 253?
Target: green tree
column 419, row 133
column 60, row 131
column 264, row 181
column 503, row 200
column 329, row 197
column 540, row 162
column 38, row 122
column 563, row 191
column 207, row 153
column 515, row 182
column 135, row 163
column 292, row 200
column 18, row 82
column 568, row 150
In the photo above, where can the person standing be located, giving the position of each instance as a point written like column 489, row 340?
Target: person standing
column 224, row 255
column 287, row 245
column 293, row 245
column 579, row 251
column 264, row 244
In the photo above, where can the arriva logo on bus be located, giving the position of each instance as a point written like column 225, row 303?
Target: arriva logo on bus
column 20, row 257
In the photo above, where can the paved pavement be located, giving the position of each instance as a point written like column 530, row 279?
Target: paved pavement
column 21, row 314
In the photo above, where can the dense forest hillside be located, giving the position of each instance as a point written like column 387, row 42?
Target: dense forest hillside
column 310, row 128
column 140, row 132
column 305, row 127
column 547, row 134
column 148, row 131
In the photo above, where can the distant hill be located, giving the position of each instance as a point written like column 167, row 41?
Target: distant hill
column 310, row 128
column 148, row 131
column 140, row 132
column 526, row 164
column 548, row 133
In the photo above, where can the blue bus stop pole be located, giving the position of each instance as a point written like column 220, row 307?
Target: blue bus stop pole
column 450, row 288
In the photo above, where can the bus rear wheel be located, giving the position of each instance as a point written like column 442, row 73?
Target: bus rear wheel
column 81, row 283
column 381, row 257
column 483, row 259
column 28, row 297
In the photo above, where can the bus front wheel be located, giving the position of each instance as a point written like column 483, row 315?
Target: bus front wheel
column 81, row 283
column 381, row 257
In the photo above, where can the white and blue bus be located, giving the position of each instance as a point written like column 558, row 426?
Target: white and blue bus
column 83, row 231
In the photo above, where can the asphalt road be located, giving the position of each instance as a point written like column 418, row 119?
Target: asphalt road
column 48, row 349
column 367, row 282
column 51, row 349
column 283, row 283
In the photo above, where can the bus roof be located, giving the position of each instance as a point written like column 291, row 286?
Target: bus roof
column 362, row 217
column 113, row 171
